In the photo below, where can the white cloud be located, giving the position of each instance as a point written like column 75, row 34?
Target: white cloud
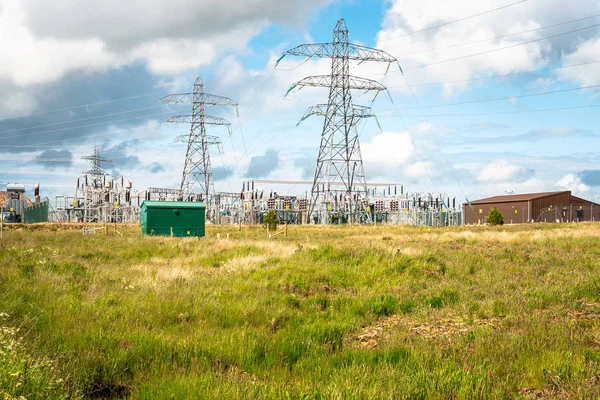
column 412, row 50
column 171, row 56
column 27, row 60
column 573, row 183
column 385, row 152
column 585, row 75
column 418, row 170
column 42, row 41
column 500, row 171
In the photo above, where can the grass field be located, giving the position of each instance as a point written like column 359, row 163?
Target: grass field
column 328, row 312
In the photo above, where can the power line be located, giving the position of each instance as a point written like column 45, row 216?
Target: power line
column 502, row 36
column 499, row 98
column 498, row 76
column 82, row 106
column 71, row 139
column 502, row 48
column 452, row 171
column 82, row 119
column 504, row 112
column 89, row 125
column 455, row 21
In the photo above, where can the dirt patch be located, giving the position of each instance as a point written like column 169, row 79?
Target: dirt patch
column 590, row 311
column 443, row 329
column 232, row 372
column 547, row 392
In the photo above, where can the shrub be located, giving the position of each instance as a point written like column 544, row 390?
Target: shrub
column 271, row 220
column 494, row 217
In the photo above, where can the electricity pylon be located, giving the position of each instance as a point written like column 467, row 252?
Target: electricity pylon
column 197, row 170
column 339, row 159
column 96, row 171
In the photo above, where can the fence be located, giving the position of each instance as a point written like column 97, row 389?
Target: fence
column 36, row 213
column 569, row 213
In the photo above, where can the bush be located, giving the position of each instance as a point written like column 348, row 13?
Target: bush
column 494, row 217
column 271, row 220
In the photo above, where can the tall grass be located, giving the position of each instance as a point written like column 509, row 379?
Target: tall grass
column 329, row 312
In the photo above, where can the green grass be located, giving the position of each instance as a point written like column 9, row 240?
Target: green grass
column 329, row 312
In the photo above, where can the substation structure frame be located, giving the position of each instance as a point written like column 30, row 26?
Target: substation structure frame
column 339, row 188
column 98, row 197
column 99, row 200
column 197, row 179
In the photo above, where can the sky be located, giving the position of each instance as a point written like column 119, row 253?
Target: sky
column 493, row 96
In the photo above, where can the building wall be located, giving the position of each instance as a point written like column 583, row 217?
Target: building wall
column 513, row 212
column 559, row 207
column 547, row 209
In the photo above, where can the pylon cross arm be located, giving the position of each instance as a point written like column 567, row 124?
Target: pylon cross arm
column 351, row 51
column 211, row 140
column 321, row 109
column 353, row 82
column 205, row 98
column 207, row 120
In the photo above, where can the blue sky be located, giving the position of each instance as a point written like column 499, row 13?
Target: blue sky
column 72, row 80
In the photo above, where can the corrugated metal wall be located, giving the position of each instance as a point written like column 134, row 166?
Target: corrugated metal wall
column 513, row 212
column 36, row 213
column 559, row 207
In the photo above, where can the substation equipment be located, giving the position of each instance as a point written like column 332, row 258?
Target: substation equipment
column 99, row 197
column 339, row 192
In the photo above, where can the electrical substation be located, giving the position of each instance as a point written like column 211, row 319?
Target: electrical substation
column 339, row 192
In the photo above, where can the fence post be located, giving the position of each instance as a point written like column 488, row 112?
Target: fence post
column 171, row 231
column 286, row 229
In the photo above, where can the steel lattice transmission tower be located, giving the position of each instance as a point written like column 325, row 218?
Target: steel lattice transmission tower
column 96, row 171
column 339, row 163
column 197, row 171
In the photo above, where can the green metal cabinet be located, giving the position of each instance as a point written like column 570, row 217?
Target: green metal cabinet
column 173, row 217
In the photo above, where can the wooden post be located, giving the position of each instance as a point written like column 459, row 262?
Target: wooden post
column 171, row 231
column 285, row 234
column 106, row 229
column 115, row 226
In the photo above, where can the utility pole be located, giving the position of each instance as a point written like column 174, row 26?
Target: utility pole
column 197, row 170
column 339, row 159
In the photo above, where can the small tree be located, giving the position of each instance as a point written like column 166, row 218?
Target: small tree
column 271, row 220
column 494, row 217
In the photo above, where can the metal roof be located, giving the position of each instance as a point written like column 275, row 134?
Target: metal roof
column 517, row 197
column 173, row 204
column 583, row 200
